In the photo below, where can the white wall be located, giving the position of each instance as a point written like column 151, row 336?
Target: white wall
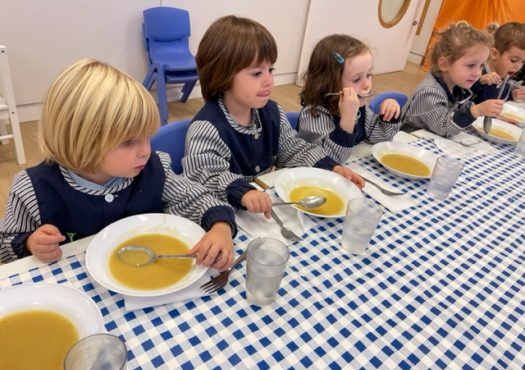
column 45, row 36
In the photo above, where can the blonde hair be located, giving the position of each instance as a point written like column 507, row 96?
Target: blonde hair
column 229, row 45
column 454, row 42
column 91, row 108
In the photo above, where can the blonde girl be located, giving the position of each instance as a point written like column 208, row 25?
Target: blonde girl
column 442, row 101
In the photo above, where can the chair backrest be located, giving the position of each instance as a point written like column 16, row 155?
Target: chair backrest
column 375, row 102
column 171, row 139
column 166, row 37
column 293, row 118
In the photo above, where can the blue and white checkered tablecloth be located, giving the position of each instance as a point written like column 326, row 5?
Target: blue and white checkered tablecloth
column 442, row 285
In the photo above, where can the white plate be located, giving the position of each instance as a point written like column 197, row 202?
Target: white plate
column 509, row 128
column 101, row 246
column 290, row 178
column 393, row 147
column 70, row 302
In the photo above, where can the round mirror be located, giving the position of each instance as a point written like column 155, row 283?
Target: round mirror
column 391, row 11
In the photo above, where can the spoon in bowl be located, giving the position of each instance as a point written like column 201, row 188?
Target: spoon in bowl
column 362, row 96
column 140, row 255
column 312, row 201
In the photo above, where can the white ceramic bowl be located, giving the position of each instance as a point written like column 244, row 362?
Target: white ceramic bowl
column 101, row 246
column 515, row 111
column 392, row 147
column 507, row 127
column 70, row 302
column 290, row 178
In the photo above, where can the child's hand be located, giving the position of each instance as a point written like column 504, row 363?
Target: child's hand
column 350, row 175
column 348, row 106
column 257, row 202
column 518, row 95
column 491, row 108
column 491, row 78
column 389, row 109
column 43, row 243
column 218, row 240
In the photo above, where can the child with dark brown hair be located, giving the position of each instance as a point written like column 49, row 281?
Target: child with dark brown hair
column 240, row 133
column 341, row 63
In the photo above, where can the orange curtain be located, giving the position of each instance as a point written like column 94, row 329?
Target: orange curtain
column 479, row 13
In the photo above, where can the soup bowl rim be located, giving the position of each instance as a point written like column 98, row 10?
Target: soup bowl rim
column 392, row 147
column 105, row 241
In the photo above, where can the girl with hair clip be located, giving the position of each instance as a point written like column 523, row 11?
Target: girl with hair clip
column 340, row 63
column 98, row 168
column 506, row 58
column 442, row 101
column 240, row 133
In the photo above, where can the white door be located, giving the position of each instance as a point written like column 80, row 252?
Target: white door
column 425, row 28
column 360, row 19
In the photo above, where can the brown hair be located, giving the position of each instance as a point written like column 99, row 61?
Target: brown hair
column 229, row 45
column 508, row 35
column 91, row 108
column 325, row 70
column 454, row 43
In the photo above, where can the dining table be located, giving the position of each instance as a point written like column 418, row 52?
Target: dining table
column 440, row 286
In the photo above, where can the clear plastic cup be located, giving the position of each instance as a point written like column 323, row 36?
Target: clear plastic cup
column 362, row 218
column 445, row 174
column 520, row 146
column 100, row 351
column 266, row 263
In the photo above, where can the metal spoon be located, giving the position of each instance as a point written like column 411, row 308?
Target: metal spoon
column 307, row 202
column 362, row 96
column 487, row 120
column 140, row 255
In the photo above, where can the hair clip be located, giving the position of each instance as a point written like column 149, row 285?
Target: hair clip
column 338, row 57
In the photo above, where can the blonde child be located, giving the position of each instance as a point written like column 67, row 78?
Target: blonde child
column 506, row 58
column 99, row 168
column 240, row 133
column 442, row 101
column 340, row 63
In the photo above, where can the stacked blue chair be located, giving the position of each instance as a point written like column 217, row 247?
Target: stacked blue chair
column 376, row 101
column 166, row 39
column 171, row 139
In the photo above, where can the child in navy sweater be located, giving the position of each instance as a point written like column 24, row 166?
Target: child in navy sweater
column 99, row 168
column 240, row 133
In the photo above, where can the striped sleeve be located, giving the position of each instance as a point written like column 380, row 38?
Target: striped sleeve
column 22, row 217
column 294, row 151
column 193, row 201
column 322, row 130
column 379, row 130
column 429, row 109
column 207, row 161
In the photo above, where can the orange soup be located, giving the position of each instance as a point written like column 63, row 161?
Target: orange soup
column 161, row 273
column 406, row 164
column 501, row 133
column 35, row 339
column 333, row 205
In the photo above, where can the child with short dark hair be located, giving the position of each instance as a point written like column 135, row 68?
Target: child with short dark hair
column 506, row 58
column 240, row 133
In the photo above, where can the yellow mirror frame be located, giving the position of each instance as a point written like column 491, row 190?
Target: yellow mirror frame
column 401, row 12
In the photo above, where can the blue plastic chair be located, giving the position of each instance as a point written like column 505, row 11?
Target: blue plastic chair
column 166, row 39
column 293, row 118
column 376, row 101
column 171, row 139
